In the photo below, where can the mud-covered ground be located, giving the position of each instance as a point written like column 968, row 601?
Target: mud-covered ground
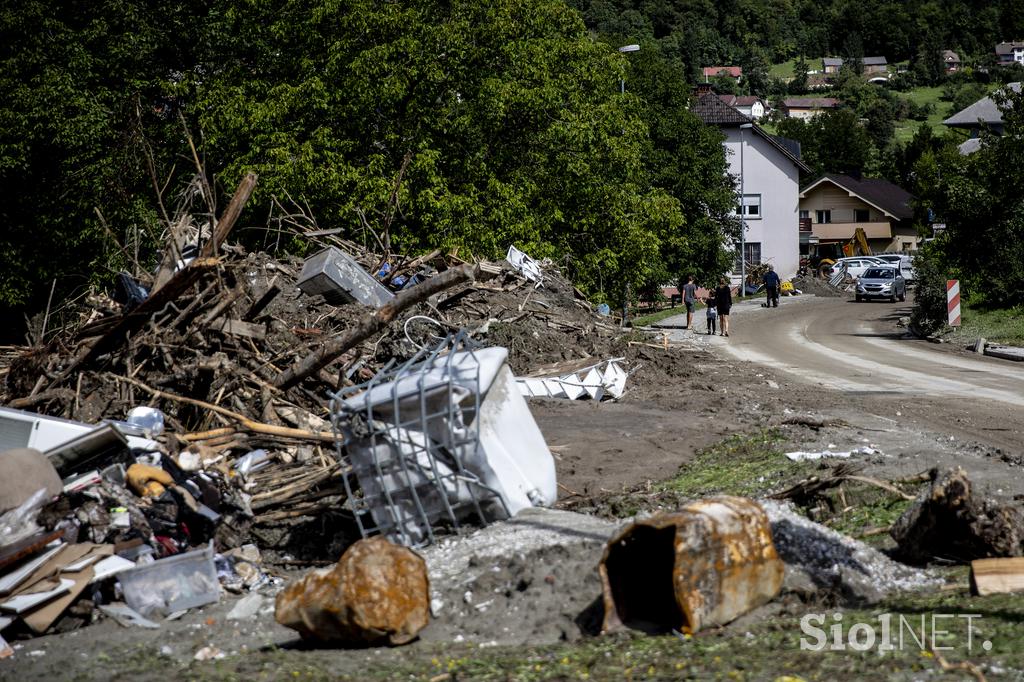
column 681, row 404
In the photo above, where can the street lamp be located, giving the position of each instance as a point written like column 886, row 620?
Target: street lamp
column 743, row 218
column 626, row 49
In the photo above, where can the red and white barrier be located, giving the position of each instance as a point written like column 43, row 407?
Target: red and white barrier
column 953, row 301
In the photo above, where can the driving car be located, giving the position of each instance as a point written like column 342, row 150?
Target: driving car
column 882, row 282
column 856, row 265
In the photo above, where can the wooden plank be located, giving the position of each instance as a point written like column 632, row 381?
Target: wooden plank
column 997, row 576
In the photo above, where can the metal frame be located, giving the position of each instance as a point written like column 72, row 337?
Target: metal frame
column 391, row 449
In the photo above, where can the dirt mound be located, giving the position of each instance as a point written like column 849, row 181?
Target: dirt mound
column 816, row 286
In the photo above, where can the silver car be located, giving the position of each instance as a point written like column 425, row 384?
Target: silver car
column 882, row 282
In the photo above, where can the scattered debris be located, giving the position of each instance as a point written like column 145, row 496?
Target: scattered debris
column 704, row 565
column 127, row 617
column 949, row 522
column 377, row 593
column 997, row 576
column 801, row 456
column 339, row 279
column 1004, row 352
column 592, row 381
column 527, row 267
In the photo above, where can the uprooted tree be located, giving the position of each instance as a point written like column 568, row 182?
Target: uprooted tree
column 409, row 126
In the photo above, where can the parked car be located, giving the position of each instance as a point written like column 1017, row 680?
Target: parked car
column 904, row 262
column 882, row 282
column 856, row 265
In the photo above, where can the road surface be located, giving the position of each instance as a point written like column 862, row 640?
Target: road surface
column 857, row 347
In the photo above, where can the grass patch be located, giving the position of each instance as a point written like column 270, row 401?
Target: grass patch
column 785, row 69
column 746, row 465
column 761, row 650
column 906, row 129
column 652, row 318
column 998, row 326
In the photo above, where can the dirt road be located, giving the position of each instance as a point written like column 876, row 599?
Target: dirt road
column 859, row 348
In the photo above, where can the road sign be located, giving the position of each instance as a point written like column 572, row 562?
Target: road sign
column 953, row 301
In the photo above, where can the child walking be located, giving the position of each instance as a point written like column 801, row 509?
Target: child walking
column 712, row 311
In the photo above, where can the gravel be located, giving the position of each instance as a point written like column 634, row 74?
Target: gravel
column 819, row 559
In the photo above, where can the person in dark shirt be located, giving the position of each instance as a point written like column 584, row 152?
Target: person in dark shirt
column 723, row 299
column 771, row 287
column 690, row 299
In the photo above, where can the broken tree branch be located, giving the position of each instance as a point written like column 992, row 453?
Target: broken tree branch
column 243, row 421
column 230, row 215
column 373, row 323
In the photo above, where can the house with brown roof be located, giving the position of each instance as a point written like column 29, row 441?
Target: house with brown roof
column 748, row 105
column 875, row 68
column 735, row 72
column 808, row 107
column 1010, row 52
column 834, row 206
column 768, row 169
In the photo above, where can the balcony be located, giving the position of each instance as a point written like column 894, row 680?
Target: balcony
column 832, row 232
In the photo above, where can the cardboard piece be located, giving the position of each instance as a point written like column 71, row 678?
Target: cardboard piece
column 54, row 584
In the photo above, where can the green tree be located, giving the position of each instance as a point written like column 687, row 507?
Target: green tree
column 798, row 85
column 982, row 206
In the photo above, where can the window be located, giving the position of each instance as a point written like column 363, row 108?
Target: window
column 821, row 217
column 752, row 207
column 753, row 254
column 860, row 215
column 804, row 214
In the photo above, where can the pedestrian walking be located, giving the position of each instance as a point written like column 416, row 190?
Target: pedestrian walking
column 690, row 299
column 771, row 287
column 712, row 311
column 723, row 301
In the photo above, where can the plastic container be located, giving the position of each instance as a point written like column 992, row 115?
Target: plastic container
column 149, row 419
column 182, row 581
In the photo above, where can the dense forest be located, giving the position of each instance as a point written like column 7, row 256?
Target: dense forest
column 755, row 33
column 422, row 125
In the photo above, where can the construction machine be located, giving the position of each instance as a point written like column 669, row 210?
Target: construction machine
column 823, row 256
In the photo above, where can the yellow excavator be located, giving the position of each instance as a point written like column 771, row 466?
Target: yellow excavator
column 857, row 246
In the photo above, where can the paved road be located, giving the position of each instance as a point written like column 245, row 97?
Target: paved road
column 857, row 347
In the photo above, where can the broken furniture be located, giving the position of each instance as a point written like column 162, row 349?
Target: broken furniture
column 443, row 438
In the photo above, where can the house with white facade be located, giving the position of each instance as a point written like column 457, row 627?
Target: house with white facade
column 748, row 105
column 769, row 169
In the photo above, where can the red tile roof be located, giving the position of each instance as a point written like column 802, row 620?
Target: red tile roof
column 733, row 71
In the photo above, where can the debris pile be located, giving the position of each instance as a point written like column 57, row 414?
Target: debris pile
column 207, row 417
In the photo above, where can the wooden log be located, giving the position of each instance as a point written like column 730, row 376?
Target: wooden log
column 231, row 214
column 373, row 323
column 997, row 576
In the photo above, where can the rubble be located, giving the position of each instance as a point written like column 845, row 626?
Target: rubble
column 378, row 592
column 820, row 560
